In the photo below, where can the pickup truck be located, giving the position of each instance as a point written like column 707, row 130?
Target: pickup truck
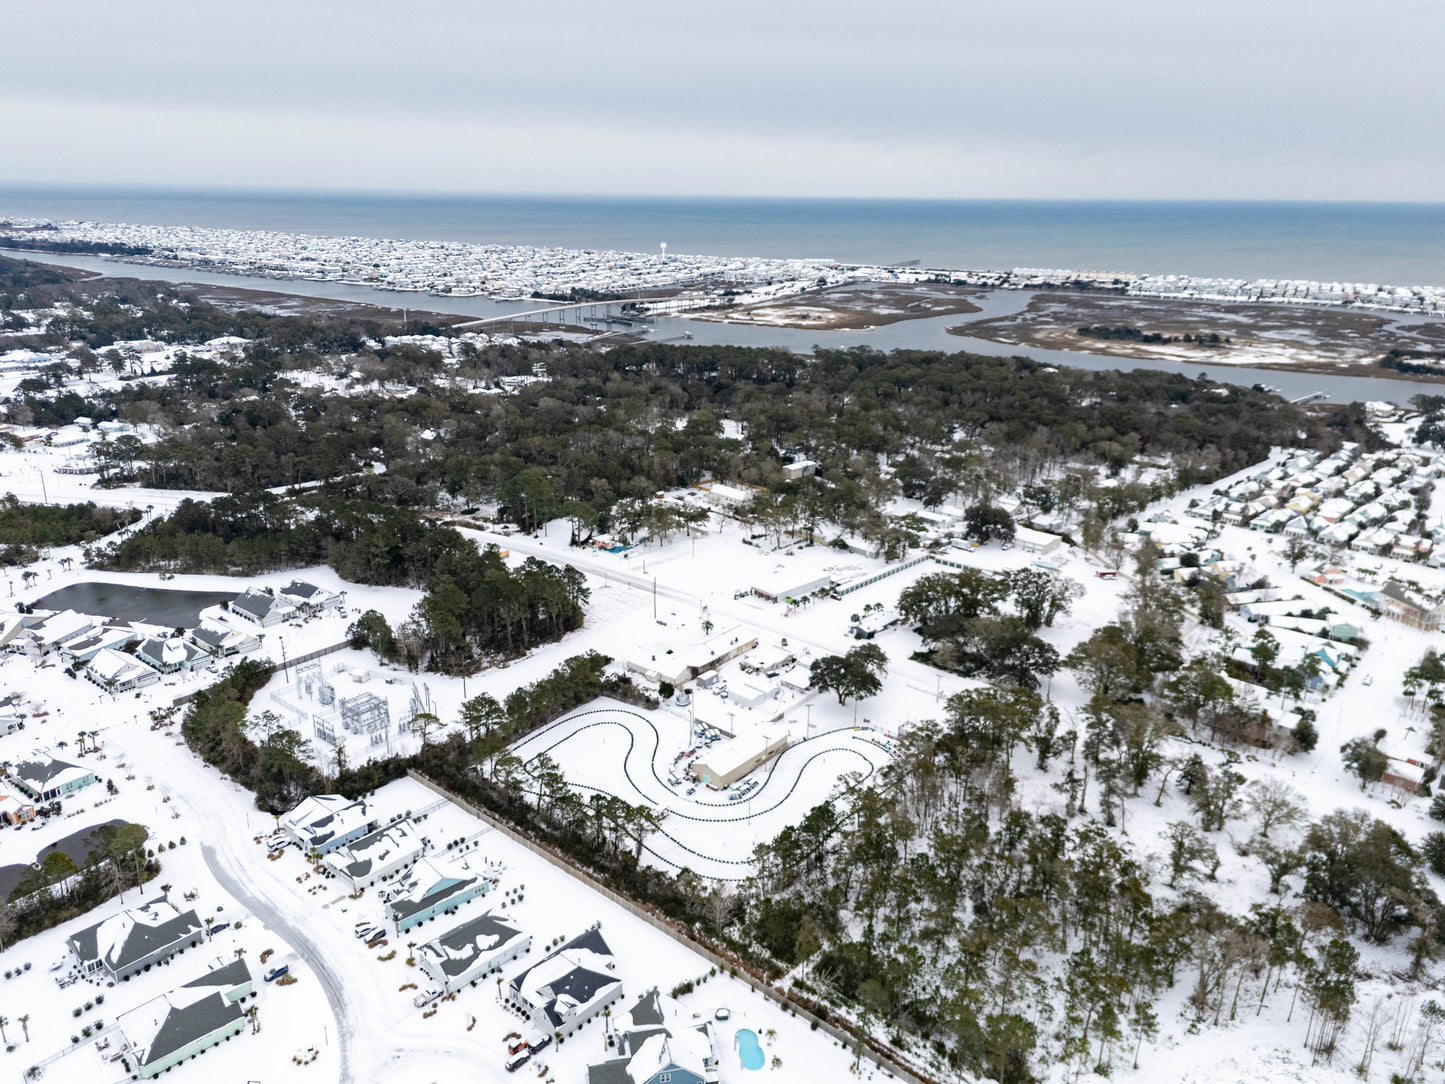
column 425, row 997
column 276, row 972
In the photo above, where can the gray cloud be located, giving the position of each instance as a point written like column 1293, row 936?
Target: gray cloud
column 1030, row 98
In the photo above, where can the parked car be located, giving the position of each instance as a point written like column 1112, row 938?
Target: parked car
column 370, row 933
column 276, row 972
column 539, row 1044
column 516, row 1046
column 517, row 1062
column 425, row 996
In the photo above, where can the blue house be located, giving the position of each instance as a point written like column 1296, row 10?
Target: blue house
column 653, row 1053
column 433, row 888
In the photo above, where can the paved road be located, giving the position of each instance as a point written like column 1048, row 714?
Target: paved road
column 299, row 941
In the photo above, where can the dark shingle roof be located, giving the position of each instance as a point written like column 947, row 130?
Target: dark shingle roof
column 610, row 1072
column 234, row 974
column 254, row 602
column 42, row 771
column 187, row 1024
column 443, row 889
column 141, row 939
column 460, row 944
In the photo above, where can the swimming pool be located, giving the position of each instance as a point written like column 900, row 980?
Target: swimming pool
column 749, row 1050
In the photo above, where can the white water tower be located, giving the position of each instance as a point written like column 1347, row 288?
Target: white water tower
column 664, row 252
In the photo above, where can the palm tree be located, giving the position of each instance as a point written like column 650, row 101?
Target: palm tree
column 209, row 922
column 25, row 1025
column 3, row 1037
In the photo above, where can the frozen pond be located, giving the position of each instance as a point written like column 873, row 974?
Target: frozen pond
column 153, row 605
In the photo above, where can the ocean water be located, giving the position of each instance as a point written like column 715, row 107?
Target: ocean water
column 1397, row 243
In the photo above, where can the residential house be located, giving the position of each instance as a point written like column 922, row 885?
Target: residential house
column 169, row 655
column 569, row 986
column 116, row 672
column 15, row 812
column 1400, row 605
column 307, row 598
column 377, row 856
column 166, row 1030
column 260, row 607
column 1326, row 574
column 124, row 944
column 324, row 822
column 651, row 1052
column 47, row 635
column 433, row 887
column 114, row 636
column 44, row 778
column 472, row 950
column 223, row 642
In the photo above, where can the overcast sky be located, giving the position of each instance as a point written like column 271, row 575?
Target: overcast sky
column 1024, row 98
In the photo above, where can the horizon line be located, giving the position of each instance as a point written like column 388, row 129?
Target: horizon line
column 264, row 191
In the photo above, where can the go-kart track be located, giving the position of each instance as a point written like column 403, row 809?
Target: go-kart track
column 613, row 749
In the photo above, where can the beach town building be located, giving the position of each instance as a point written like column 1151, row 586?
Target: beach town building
column 472, row 950
column 728, row 761
column 568, row 986
column 653, row 1052
column 135, row 939
column 434, row 887
column 324, row 822
column 376, row 856
column 166, row 1030
column 117, row 672
column 44, row 778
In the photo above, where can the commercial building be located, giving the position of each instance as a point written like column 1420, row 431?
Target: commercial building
column 1034, row 541
column 729, row 761
column 798, row 586
column 679, row 663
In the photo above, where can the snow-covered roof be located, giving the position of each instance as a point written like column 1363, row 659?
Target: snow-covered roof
column 113, row 666
column 456, row 950
column 429, row 883
column 375, row 849
column 567, row 981
column 323, row 817
column 133, row 934
column 165, row 1024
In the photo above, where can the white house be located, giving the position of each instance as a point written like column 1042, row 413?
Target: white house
column 324, row 822
column 472, row 950
column 116, row 672
column 261, row 607
column 377, row 855
column 569, row 986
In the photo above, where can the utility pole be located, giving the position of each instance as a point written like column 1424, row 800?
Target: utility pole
column 654, row 598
